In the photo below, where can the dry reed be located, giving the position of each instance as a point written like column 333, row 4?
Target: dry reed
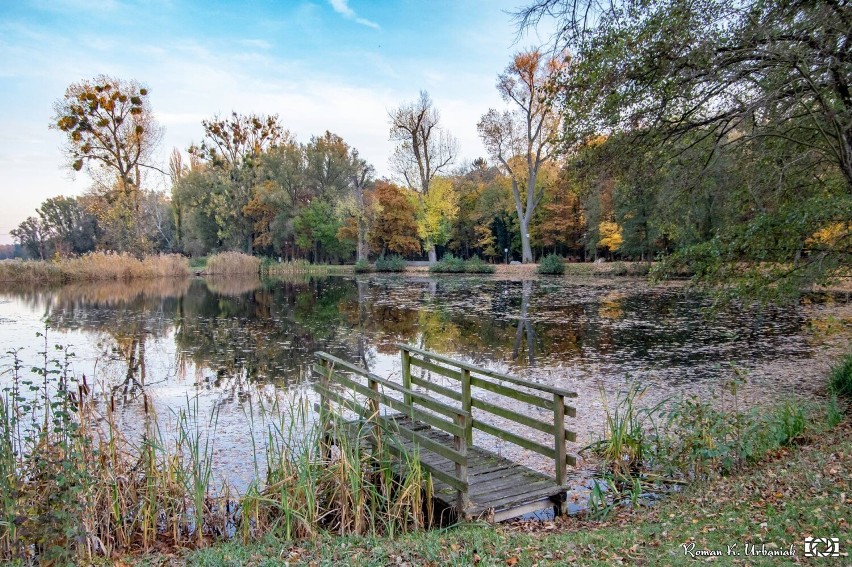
column 232, row 263
column 94, row 266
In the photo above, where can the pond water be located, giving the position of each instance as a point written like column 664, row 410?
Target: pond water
column 229, row 344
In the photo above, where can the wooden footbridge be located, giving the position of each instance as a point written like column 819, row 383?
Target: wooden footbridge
column 436, row 420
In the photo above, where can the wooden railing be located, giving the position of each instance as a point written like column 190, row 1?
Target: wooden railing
column 334, row 370
column 469, row 376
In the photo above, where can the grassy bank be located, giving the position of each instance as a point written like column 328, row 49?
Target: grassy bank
column 92, row 267
column 793, row 492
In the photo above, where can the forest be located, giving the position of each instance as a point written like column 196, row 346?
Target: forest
column 722, row 150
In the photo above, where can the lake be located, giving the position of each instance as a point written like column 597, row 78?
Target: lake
column 232, row 344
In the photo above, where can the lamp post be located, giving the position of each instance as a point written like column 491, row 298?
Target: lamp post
column 506, row 254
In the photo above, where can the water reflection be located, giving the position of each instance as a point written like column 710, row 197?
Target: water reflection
column 228, row 332
column 233, row 343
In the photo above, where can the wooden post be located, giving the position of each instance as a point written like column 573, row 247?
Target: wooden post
column 466, row 405
column 559, row 437
column 406, row 374
column 325, row 411
column 374, row 409
column 460, row 445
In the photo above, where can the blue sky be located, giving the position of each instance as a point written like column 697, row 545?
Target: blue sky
column 336, row 65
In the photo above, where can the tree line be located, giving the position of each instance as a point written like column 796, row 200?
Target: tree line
column 713, row 136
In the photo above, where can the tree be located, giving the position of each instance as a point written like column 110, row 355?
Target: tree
column 765, row 86
column 355, row 206
column 68, row 226
column 30, row 235
column 524, row 139
column 439, row 209
column 424, row 149
column 110, row 130
column 232, row 150
column 394, row 226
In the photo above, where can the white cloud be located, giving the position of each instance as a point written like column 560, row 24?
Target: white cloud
column 342, row 8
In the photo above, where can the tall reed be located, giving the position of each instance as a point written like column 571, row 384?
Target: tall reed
column 73, row 487
column 94, row 266
column 232, row 263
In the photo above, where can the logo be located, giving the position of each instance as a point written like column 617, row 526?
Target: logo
column 822, row 547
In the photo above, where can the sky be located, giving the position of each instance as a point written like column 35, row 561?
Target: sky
column 337, row 65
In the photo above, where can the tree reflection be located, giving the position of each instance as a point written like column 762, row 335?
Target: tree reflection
column 525, row 327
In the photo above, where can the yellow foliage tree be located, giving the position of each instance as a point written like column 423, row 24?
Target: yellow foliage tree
column 611, row 237
column 438, row 208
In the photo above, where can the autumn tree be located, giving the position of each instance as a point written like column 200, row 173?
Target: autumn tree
column 111, row 133
column 439, row 209
column 110, row 130
column 394, row 223
column 524, row 138
column 425, row 149
column 355, row 206
column 757, row 91
column 231, row 150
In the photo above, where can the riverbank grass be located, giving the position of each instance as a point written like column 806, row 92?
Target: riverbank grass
column 796, row 491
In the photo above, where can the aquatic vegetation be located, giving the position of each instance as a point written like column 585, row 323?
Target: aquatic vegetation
column 232, row 263
column 94, row 266
column 73, row 487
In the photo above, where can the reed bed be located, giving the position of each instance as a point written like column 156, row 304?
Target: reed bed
column 232, row 263
column 95, row 266
column 73, row 488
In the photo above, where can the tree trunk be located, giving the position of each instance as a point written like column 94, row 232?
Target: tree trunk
column 363, row 251
column 524, row 221
column 526, row 250
column 433, row 255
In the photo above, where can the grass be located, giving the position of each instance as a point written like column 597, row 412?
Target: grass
column 273, row 268
column 795, row 491
column 94, row 266
column 450, row 264
column 840, row 378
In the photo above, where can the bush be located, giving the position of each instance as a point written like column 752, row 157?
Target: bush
column 393, row 263
column 449, row 264
column 840, row 378
column 362, row 266
column 551, row 264
column 476, row 266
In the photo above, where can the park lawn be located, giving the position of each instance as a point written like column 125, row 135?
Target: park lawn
column 795, row 492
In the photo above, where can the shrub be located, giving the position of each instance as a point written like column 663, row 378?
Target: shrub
column 476, row 266
column 551, row 264
column 233, row 263
column 362, row 266
column 840, row 378
column 449, row 264
column 392, row 263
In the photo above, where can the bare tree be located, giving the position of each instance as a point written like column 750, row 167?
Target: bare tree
column 523, row 139
column 424, row 150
